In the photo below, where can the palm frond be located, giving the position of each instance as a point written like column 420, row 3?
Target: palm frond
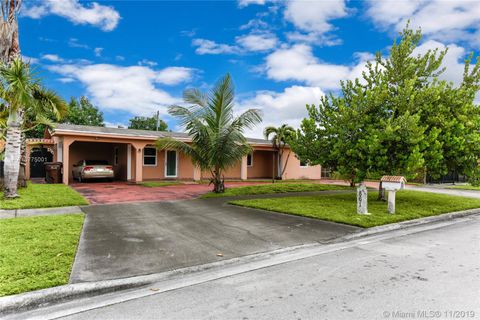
column 48, row 101
column 269, row 131
column 217, row 135
column 195, row 97
column 248, row 119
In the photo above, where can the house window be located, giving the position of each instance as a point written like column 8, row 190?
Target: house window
column 326, row 172
column 149, row 156
column 250, row 160
column 115, row 156
column 303, row 164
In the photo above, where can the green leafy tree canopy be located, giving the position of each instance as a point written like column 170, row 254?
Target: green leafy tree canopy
column 147, row 123
column 399, row 118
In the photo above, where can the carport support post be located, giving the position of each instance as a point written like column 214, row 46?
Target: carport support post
column 66, row 160
column 138, row 161
column 197, row 173
column 244, row 169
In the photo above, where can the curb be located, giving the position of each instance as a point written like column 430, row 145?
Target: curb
column 47, row 297
column 407, row 224
column 20, row 213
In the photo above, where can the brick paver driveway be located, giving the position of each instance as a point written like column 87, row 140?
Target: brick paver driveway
column 120, row 192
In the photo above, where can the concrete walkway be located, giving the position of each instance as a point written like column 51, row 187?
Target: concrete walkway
column 121, row 192
column 21, row 213
column 134, row 239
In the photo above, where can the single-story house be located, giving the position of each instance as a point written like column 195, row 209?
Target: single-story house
column 134, row 157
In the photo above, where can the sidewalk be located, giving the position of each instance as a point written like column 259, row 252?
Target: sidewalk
column 74, row 298
column 452, row 192
column 21, row 213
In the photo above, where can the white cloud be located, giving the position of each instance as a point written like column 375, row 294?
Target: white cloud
column 146, row 62
column 73, row 42
column 133, row 88
column 244, row 3
column 205, row 46
column 281, row 107
column 439, row 19
column 298, row 63
column 174, row 75
column 66, row 80
column 98, row 52
column 255, row 24
column 52, row 58
column 104, row 17
column 314, row 16
column 257, row 42
column 30, row 59
column 252, row 42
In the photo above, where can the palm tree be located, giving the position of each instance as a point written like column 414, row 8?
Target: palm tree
column 21, row 94
column 9, row 45
column 217, row 136
column 281, row 136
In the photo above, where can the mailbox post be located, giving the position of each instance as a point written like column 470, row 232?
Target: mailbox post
column 392, row 184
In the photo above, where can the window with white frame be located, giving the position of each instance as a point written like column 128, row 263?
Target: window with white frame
column 303, row 164
column 149, row 156
column 250, row 160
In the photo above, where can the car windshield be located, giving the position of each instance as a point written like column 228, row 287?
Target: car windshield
column 96, row 162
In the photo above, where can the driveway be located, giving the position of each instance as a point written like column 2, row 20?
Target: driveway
column 120, row 192
column 125, row 240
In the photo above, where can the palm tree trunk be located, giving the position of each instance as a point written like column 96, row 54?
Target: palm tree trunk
column 218, row 182
column 12, row 154
column 22, row 174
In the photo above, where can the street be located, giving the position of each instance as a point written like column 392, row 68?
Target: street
column 434, row 274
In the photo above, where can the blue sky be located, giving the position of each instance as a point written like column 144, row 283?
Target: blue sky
column 136, row 57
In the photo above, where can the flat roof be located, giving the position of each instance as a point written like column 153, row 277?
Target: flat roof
column 147, row 134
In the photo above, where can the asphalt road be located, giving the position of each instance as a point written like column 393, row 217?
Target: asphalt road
column 436, row 272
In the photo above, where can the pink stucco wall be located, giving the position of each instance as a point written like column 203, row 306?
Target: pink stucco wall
column 295, row 171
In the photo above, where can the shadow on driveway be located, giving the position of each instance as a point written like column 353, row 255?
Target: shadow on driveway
column 134, row 239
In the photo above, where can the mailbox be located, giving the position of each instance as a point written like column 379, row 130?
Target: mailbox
column 393, row 183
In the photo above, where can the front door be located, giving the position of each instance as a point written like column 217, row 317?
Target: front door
column 171, row 164
column 38, row 157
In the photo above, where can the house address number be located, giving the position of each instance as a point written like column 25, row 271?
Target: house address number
column 38, row 159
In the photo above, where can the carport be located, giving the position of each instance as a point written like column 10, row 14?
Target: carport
column 114, row 153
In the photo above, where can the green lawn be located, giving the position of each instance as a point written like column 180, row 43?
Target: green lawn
column 342, row 207
column 43, row 196
column 465, row 187
column 153, row 184
column 37, row 252
column 274, row 188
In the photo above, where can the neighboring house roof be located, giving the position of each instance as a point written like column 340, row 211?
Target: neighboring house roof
column 147, row 134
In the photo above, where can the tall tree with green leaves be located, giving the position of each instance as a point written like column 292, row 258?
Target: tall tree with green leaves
column 218, row 142
column 397, row 119
column 83, row 112
column 148, row 123
column 21, row 93
column 79, row 111
column 280, row 136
